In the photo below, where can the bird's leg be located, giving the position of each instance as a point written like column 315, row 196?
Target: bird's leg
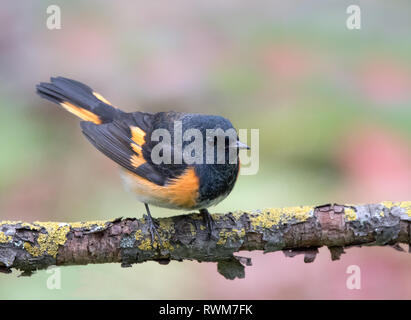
column 208, row 219
column 152, row 225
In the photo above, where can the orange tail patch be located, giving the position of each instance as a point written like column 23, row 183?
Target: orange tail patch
column 101, row 98
column 81, row 112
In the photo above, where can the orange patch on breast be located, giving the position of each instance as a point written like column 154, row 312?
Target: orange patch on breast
column 179, row 193
column 81, row 112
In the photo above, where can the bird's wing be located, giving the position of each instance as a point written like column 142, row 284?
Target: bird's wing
column 123, row 141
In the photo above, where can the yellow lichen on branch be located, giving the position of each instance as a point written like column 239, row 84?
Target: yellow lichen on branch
column 269, row 218
column 31, row 246
column 50, row 241
column 4, row 238
column 350, row 214
column 54, row 235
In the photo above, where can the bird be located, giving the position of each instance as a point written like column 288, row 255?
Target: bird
column 127, row 139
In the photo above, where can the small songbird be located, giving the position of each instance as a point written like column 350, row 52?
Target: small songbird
column 126, row 138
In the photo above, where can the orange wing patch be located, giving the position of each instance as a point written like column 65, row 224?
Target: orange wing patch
column 81, row 112
column 137, row 160
column 101, row 98
column 180, row 193
column 138, row 136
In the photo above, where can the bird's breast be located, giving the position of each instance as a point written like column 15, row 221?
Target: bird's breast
column 197, row 187
column 179, row 193
column 216, row 182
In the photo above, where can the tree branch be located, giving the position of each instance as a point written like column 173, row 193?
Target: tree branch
column 32, row 246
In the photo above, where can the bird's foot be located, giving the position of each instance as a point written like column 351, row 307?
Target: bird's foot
column 152, row 227
column 209, row 221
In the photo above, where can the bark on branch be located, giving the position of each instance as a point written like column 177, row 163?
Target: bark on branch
column 38, row 245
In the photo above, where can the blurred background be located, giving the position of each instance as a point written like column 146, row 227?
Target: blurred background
column 332, row 106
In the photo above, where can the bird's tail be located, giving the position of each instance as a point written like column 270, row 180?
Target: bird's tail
column 78, row 99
